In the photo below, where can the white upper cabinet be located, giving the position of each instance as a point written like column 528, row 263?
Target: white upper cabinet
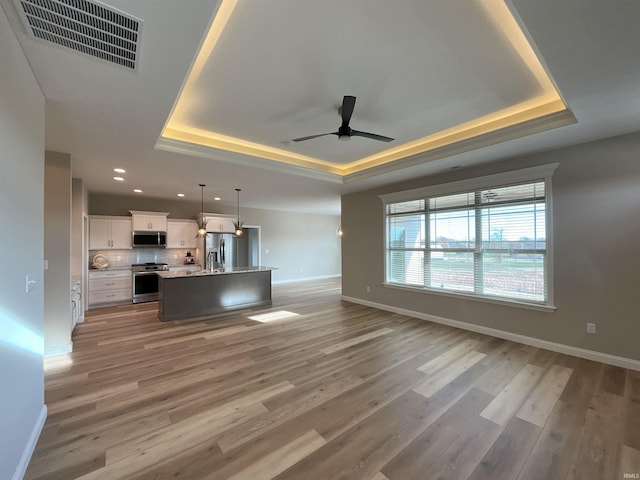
column 174, row 234
column 149, row 221
column 182, row 234
column 109, row 233
column 189, row 234
column 121, row 233
column 220, row 224
column 99, row 234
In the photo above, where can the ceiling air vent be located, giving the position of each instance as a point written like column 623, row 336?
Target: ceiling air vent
column 92, row 28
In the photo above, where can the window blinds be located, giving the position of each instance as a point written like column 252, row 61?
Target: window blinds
column 489, row 242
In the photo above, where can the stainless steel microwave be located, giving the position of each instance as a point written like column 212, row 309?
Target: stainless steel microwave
column 150, row 239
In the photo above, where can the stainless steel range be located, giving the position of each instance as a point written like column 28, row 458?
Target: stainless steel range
column 145, row 281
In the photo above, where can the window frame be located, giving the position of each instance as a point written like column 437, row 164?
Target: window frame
column 526, row 175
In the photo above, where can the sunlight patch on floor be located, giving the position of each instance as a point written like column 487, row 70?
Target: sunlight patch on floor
column 57, row 362
column 273, row 316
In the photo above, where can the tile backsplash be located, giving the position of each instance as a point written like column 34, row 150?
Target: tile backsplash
column 126, row 258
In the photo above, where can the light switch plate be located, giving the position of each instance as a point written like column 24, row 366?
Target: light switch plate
column 30, row 282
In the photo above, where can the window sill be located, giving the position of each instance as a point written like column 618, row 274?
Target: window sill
column 459, row 295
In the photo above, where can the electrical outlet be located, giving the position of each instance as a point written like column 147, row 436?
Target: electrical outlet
column 591, row 328
column 368, row 289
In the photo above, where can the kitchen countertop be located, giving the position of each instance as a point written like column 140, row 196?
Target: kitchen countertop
column 128, row 269
column 110, row 269
column 217, row 271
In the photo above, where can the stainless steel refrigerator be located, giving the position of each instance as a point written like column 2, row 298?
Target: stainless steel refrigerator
column 228, row 250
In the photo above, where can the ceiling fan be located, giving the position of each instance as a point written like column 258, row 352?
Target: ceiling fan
column 345, row 132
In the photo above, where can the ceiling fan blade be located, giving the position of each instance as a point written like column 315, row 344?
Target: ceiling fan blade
column 302, row 139
column 348, row 102
column 373, row 136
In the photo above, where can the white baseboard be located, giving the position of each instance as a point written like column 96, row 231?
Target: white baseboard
column 305, row 279
column 58, row 349
column 514, row 337
column 21, row 469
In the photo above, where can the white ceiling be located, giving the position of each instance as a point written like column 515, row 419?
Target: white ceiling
column 280, row 69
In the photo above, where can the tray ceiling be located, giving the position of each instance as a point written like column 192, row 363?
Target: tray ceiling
column 439, row 77
column 279, row 69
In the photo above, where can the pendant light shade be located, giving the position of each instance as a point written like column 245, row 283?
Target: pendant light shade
column 238, row 223
column 202, row 225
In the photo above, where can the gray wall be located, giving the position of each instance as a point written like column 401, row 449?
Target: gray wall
column 78, row 209
column 57, row 251
column 301, row 246
column 105, row 204
column 596, row 215
column 21, row 213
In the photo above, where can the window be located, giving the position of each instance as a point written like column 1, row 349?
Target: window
column 486, row 237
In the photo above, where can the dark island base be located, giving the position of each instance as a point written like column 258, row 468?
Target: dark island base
column 200, row 295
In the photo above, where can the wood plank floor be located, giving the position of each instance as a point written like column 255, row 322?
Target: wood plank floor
column 318, row 388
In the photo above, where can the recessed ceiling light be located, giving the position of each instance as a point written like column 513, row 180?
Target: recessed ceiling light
column 216, row 198
column 181, row 194
column 119, row 179
column 119, row 170
column 137, row 190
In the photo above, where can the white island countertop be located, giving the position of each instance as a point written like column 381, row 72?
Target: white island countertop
column 217, row 271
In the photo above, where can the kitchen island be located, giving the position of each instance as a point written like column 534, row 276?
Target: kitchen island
column 188, row 294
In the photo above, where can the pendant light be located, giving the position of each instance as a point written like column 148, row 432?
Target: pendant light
column 238, row 223
column 202, row 225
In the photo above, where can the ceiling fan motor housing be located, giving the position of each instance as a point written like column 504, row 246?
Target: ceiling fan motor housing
column 344, row 132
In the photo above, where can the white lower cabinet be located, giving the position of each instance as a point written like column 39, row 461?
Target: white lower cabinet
column 109, row 286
